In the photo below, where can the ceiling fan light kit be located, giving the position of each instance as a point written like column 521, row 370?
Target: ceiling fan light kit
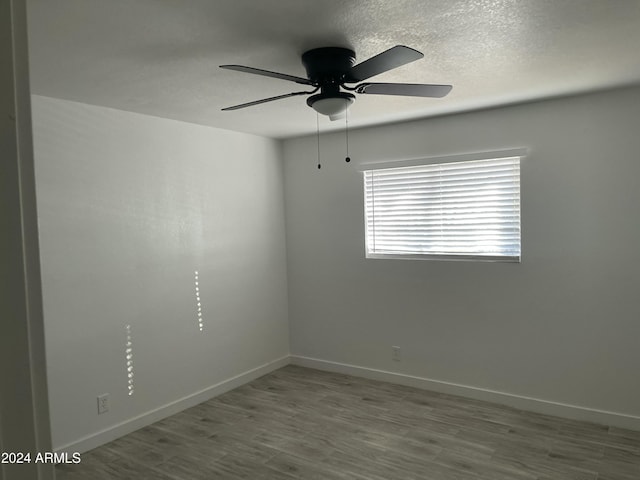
column 330, row 69
column 331, row 105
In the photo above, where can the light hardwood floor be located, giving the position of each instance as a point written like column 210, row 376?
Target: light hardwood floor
column 299, row 423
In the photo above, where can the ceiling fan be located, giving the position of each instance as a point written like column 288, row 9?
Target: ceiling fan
column 330, row 69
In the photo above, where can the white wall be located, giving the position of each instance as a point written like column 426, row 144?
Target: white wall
column 129, row 207
column 562, row 326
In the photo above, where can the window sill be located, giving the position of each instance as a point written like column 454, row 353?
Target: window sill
column 455, row 258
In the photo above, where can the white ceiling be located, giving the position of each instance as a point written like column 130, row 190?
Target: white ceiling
column 161, row 57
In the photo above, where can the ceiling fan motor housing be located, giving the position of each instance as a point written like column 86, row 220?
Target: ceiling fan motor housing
column 328, row 66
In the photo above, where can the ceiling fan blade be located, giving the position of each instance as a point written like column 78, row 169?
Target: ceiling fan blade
column 265, row 100
column 405, row 89
column 388, row 60
column 267, row 73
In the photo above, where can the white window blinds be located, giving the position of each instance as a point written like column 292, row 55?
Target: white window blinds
column 467, row 209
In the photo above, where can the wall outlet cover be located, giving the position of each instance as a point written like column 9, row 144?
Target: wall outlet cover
column 395, row 353
column 103, row 403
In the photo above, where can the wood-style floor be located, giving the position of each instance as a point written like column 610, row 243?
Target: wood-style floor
column 298, row 423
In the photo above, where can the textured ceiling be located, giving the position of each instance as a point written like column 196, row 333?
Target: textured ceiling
column 161, row 57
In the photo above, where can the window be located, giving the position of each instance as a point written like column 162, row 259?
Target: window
column 454, row 210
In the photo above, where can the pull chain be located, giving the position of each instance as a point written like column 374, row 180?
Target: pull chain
column 346, row 122
column 318, row 136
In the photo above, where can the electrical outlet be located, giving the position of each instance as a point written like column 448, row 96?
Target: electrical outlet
column 103, row 403
column 395, row 353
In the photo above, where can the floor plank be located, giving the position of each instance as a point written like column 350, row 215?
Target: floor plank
column 300, row 423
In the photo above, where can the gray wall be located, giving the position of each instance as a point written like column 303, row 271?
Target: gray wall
column 561, row 326
column 129, row 207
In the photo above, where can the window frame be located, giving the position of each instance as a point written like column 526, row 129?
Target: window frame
column 520, row 153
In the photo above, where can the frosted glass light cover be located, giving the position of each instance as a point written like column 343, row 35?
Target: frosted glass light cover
column 332, row 106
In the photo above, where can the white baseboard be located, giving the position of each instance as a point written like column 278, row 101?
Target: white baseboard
column 524, row 403
column 574, row 412
column 100, row 438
